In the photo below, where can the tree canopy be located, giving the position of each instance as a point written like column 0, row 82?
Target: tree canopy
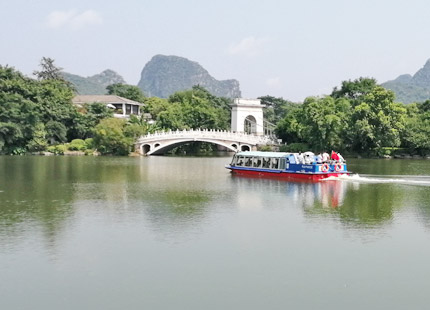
column 360, row 116
column 195, row 108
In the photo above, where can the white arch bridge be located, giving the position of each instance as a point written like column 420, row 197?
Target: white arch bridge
column 161, row 142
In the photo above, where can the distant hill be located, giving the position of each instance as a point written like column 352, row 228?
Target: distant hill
column 410, row 88
column 96, row 84
column 165, row 75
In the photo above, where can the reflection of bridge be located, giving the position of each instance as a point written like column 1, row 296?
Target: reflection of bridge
column 161, row 142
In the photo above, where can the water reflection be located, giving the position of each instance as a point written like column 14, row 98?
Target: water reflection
column 33, row 194
column 353, row 203
column 174, row 194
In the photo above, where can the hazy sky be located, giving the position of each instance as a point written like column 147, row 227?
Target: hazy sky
column 290, row 49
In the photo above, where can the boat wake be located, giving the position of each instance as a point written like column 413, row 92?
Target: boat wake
column 378, row 179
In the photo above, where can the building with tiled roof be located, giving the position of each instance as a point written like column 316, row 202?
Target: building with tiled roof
column 123, row 107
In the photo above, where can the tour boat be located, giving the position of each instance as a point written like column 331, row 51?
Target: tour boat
column 285, row 165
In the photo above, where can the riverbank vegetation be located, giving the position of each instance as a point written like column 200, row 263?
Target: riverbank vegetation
column 360, row 117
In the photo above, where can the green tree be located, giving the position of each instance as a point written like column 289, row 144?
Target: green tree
column 141, row 125
column 110, row 137
column 416, row 133
column 291, row 128
column 87, row 118
column 126, row 91
column 377, row 121
column 49, row 70
column 56, row 132
column 354, row 90
column 25, row 102
column 38, row 142
column 18, row 110
column 155, row 105
column 276, row 108
column 195, row 108
column 324, row 121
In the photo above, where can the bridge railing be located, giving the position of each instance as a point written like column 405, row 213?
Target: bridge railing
column 205, row 133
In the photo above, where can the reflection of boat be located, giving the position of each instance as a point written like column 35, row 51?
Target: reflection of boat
column 285, row 165
column 310, row 195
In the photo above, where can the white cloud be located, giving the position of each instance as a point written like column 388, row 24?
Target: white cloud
column 73, row 19
column 250, row 46
column 274, row 82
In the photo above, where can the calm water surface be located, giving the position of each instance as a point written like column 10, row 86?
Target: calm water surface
column 183, row 233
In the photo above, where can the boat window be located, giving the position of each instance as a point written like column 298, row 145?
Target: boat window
column 275, row 163
column 256, row 162
column 240, row 161
column 266, row 162
column 292, row 159
column 248, row 161
column 282, row 163
column 233, row 161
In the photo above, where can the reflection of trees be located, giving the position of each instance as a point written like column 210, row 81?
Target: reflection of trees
column 357, row 204
column 174, row 194
column 420, row 198
column 34, row 193
column 171, row 211
column 165, row 191
column 371, row 204
column 354, row 204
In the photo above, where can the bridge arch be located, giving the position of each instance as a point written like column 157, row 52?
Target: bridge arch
column 145, row 149
column 247, row 116
column 250, row 125
column 169, row 145
column 245, row 147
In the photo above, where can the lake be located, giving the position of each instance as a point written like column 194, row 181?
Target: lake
column 183, row 233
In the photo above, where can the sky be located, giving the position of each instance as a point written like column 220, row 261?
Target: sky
column 289, row 49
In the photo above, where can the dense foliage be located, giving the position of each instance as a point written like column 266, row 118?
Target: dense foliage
column 195, row 108
column 360, row 116
column 31, row 109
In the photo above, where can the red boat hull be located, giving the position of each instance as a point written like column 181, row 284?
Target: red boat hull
column 287, row 175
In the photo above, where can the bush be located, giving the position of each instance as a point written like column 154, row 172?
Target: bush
column 57, row 149
column 109, row 137
column 294, row 147
column 265, row 148
column 18, row 150
column 77, row 145
column 89, row 142
column 89, row 152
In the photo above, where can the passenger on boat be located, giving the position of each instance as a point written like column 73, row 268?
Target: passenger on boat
column 334, row 156
column 300, row 159
column 319, row 158
column 325, row 157
column 341, row 159
column 309, row 157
